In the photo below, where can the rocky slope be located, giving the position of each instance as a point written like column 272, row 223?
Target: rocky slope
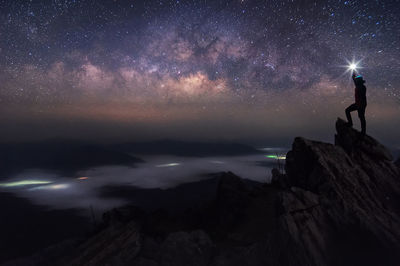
column 335, row 205
column 342, row 203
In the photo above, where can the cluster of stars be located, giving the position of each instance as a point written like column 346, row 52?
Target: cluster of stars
column 169, row 52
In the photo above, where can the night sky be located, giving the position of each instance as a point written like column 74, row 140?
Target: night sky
column 253, row 71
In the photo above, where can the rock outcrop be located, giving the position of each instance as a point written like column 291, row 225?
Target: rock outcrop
column 342, row 207
column 337, row 204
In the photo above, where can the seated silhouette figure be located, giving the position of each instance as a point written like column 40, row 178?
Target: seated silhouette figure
column 360, row 104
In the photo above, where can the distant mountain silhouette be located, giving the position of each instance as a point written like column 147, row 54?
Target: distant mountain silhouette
column 183, row 148
column 66, row 157
column 173, row 199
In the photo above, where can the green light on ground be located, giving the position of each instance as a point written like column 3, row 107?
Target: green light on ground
column 24, row 183
column 276, row 157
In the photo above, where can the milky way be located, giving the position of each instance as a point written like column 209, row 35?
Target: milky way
column 251, row 70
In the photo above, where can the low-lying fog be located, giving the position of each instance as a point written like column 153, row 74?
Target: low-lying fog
column 83, row 191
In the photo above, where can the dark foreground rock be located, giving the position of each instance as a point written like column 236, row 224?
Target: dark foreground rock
column 335, row 205
column 342, row 207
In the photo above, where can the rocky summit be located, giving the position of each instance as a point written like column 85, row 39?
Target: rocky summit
column 341, row 204
column 336, row 204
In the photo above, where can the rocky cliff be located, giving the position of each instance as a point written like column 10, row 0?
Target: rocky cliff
column 337, row 204
column 341, row 206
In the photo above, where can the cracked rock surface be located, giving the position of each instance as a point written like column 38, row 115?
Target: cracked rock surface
column 343, row 203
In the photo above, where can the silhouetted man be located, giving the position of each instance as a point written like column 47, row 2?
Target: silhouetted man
column 360, row 104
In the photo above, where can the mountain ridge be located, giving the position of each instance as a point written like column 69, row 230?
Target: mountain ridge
column 336, row 204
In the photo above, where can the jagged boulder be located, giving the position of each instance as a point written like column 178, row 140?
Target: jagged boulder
column 353, row 142
column 343, row 205
column 278, row 179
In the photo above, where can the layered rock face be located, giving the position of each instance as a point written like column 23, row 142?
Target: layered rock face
column 341, row 206
column 337, row 204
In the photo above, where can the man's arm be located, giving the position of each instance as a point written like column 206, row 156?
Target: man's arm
column 354, row 77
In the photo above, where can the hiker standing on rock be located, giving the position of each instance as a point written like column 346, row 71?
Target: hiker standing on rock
column 360, row 104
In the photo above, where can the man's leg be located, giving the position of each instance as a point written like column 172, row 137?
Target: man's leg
column 361, row 115
column 349, row 109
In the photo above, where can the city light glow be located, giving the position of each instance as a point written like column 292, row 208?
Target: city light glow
column 277, row 157
column 24, row 183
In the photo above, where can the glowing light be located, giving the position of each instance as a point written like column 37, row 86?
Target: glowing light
column 24, row 183
column 83, row 178
column 51, row 187
column 277, row 157
column 217, row 162
column 353, row 67
column 168, row 165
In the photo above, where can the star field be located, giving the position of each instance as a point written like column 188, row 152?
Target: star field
column 264, row 64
